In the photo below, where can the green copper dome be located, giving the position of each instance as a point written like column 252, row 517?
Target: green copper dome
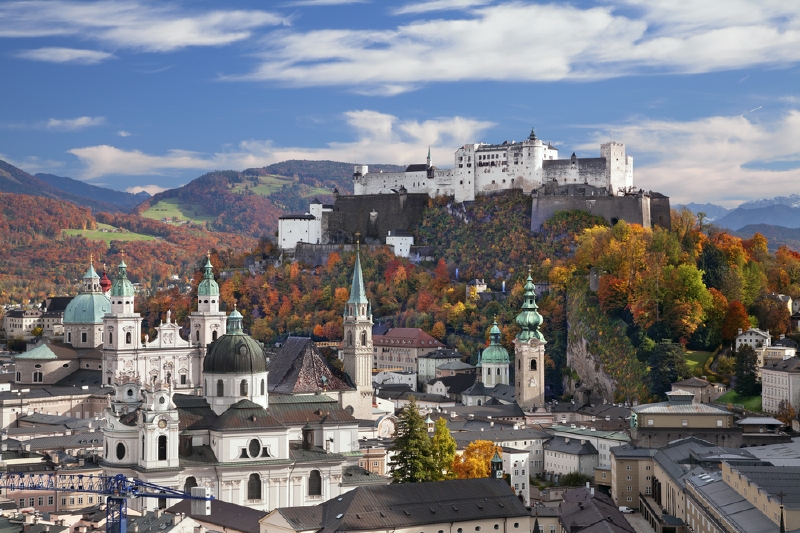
column 529, row 319
column 91, row 305
column 494, row 353
column 208, row 287
column 235, row 352
column 122, row 286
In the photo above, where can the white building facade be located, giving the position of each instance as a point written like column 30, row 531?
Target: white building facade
column 481, row 168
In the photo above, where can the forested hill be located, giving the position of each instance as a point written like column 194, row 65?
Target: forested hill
column 17, row 181
column 251, row 201
column 123, row 201
column 46, row 244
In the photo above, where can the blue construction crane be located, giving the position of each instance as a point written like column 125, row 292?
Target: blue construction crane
column 117, row 490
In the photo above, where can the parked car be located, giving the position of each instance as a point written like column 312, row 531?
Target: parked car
column 625, row 510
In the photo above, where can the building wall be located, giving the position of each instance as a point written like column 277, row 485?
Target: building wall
column 658, row 437
column 629, row 478
column 373, row 216
column 777, row 386
column 631, row 209
column 294, row 230
column 402, row 244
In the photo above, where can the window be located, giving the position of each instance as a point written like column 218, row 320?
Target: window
column 41, row 501
column 37, row 377
column 120, row 451
column 91, row 500
column 183, row 379
column 22, row 502
column 629, row 467
column 254, row 448
column 32, row 501
column 220, row 388
column 128, row 337
column 630, row 499
column 80, row 500
column 83, row 336
column 50, row 500
column 315, row 483
column 110, row 338
column 649, row 421
column 213, row 335
column 719, row 423
column 263, row 388
column 254, row 487
column 243, row 388
column 19, row 376
column 197, row 335
column 363, row 338
column 630, row 488
column 189, row 484
column 162, row 448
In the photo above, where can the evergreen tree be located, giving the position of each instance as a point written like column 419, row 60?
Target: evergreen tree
column 412, row 461
column 746, row 362
column 443, row 451
column 667, row 365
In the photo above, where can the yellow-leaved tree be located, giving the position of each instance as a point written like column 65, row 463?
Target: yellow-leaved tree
column 475, row 462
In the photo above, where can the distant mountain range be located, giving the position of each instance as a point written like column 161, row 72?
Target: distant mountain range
column 125, row 201
column 781, row 211
column 15, row 180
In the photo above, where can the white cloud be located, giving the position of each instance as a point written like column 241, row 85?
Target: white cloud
column 65, row 55
column 149, row 189
column 379, row 138
column 552, row 42
column 72, row 124
column 152, row 27
column 123, row 133
column 438, row 5
column 714, row 159
column 325, row 2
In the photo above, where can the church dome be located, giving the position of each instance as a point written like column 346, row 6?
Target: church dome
column 122, row 286
column 105, row 283
column 90, row 305
column 494, row 353
column 87, row 308
column 235, row 352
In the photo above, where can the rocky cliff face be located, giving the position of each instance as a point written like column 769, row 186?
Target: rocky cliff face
column 589, row 370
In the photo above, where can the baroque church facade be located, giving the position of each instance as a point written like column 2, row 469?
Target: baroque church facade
column 254, row 432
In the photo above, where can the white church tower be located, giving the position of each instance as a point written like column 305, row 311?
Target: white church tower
column 121, row 327
column 208, row 322
column 357, row 352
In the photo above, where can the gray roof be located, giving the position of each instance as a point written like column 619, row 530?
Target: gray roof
column 441, row 353
column 455, row 384
column 680, row 408
column 691, row 382
column 730, row 504
column 591, row 513
column 518, row 436
column 299, row 367
column 629, row 451
column 454, row 365
column 570, row 446
column 759, row 421
column 774, row 480
column 787, row 365
column 589, row 432
column 408, row 505
column 227, row 515
column 510, row 410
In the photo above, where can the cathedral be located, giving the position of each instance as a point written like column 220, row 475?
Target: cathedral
column 213, row 412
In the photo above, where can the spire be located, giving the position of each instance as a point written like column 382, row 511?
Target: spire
column 357, row 293
column 532, row 136
column 494, row 353
column 529, row 319
column 122, row 285
column 208, row 287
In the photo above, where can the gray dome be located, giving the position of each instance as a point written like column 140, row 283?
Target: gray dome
column 235, row 352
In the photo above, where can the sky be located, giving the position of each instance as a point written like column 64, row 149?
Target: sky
column 149, row 95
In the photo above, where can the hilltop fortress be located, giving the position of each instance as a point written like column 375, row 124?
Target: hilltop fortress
column 601, row 185
column 485, row 168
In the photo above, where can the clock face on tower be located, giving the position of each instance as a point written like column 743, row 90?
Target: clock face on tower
column 162, row 423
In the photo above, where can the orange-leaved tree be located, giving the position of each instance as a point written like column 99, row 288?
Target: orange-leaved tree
column 475, row 462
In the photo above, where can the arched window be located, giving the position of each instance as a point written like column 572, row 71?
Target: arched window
column 128, row 338
column 263, row 387
column 349, row 338
column 37, row 377
column 162, row 448
column 533, row 364
column 243, row 388
column 498, row 372
column 213, row 335
column 363, row 338
column 120, row 451
column 220, row 388
column 189, row 484
column 69, row 336
column 254, row 487
column 314, row 483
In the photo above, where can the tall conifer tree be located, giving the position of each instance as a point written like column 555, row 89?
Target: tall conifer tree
column 412, row 461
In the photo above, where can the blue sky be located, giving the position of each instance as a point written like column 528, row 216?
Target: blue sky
column 706, row 95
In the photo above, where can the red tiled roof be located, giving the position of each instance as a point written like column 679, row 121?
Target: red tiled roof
column 408, row 337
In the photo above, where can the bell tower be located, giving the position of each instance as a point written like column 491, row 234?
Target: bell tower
column 529, row 352
column 122, row 329
column 357, row 353
column 207, row 324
